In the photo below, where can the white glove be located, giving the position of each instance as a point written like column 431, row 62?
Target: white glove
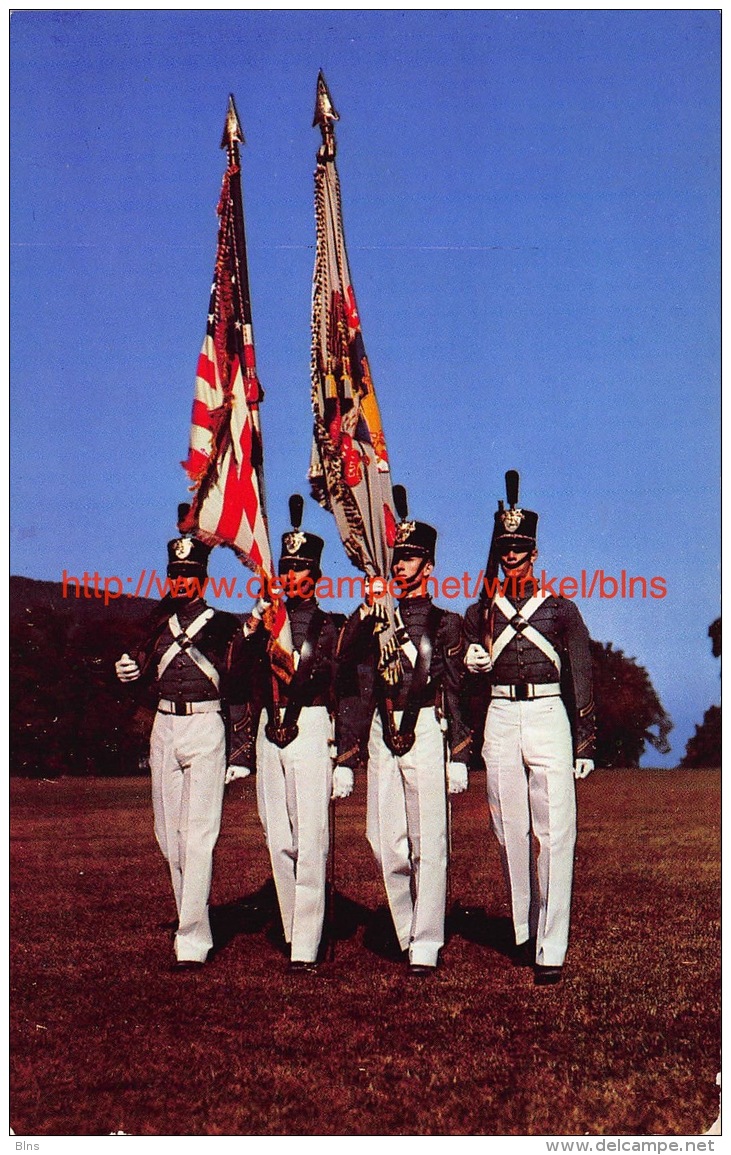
column 127, row 669
column 342, row 782
column 477, row 660
column 234, row 772
column 456, row 777
column 583, row 767
column 260, row 609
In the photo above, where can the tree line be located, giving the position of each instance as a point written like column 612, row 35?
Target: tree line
column 70, row 715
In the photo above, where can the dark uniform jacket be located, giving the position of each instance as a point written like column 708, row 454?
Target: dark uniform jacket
column 561, row 624
column 220, row 640
column 361, row 691
column 318, row 688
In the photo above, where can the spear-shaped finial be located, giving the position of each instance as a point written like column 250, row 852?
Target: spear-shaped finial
column 324, row 107
column 325, row 115
column 232, row 131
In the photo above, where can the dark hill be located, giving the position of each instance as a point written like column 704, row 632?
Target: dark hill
column 68, row 712
column 27, row 594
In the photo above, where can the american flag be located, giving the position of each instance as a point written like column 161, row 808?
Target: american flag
column 225, row 458
column 349, row 471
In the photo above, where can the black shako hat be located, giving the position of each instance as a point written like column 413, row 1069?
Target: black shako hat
column 514, row 526
column 300, row 550
column 412, row 537
column 187, row 555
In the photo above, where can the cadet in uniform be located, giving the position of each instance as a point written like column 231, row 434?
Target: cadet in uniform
column 532, row 651
column 406, row 821
column 188, row 656
column 295, row 744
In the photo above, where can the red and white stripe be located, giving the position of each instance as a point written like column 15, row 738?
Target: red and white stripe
column 220, row 458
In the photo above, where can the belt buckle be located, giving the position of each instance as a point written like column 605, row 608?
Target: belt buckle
column 521, row 691
column 181, row 708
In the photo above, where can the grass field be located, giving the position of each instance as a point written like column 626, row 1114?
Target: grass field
column 105, row 1038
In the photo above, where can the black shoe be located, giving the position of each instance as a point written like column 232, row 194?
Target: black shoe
column 547, row 976
column 524, row 955
column 186, row 964
column 419, row 970
column 298, row 966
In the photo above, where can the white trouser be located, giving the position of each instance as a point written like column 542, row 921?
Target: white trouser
column 293, row 787
column 188, row 765
column 406, row 826
column 530, row 787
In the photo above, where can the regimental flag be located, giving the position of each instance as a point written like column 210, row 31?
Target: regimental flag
column 349, row 470
column 225, row 458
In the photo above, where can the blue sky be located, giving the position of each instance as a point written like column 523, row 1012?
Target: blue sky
column 531, row 202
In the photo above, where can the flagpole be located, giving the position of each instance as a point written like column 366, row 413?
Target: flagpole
column 233, row 135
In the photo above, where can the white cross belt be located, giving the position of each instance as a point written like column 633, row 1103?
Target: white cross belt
column 182, row 644
column 529, row 632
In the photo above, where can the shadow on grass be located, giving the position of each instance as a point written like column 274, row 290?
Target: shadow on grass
column 380, row 936
column 248, row 915
column 344, row 917
column 258, row 913
column 475, row 925
column 467, row 922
